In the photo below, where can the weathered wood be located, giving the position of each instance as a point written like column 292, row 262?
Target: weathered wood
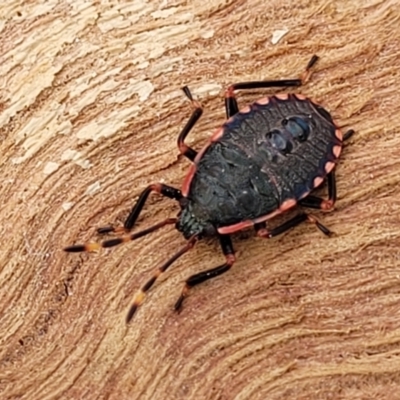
column 90, row 111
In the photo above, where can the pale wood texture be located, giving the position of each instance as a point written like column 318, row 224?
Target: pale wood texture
column 90, row 111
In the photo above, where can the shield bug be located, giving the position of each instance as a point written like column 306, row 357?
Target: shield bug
column 263, row 161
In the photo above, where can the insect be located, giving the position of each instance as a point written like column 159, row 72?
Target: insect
column 263, row 161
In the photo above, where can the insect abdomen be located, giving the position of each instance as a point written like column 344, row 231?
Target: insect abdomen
column 290, row 139
column 231, row 187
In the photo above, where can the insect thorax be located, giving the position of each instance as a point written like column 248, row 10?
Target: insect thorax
column 193, row 220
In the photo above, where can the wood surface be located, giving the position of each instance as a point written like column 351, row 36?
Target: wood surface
column 90, row 110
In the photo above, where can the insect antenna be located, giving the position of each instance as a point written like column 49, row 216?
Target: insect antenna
column 77, row 248
column 140, row 295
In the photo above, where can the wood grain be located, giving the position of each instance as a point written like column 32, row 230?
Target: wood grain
column 90, row 109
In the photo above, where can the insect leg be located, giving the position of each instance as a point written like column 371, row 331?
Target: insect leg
column 160, row 188
column 231, row 105
column 320, row 203
column 347, row 135
column 77, row 248
column 227, row 248
column 198, row 111
column 262, row 230
column 140, row 295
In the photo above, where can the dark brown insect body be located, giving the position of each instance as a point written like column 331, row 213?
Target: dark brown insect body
column 263, row 161
column 265, row 158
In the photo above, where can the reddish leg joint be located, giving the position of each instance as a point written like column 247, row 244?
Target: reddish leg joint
column 264, row 233
column 229, row 92
column 327, row 205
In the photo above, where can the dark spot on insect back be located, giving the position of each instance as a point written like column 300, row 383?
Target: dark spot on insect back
column 279, row 141
column 297, row 127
